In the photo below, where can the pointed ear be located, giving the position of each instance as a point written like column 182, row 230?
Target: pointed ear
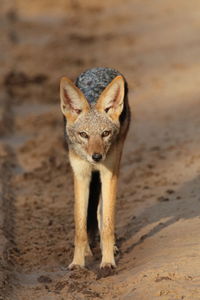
column 111, row 100
column 73, row 102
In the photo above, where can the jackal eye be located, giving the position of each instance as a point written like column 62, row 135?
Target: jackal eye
column 105, row 133
column 84, row 135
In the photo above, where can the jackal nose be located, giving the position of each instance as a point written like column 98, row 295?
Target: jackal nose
column 96, row 156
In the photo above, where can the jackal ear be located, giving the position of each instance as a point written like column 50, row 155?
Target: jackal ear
column 73, row 102
column 111, row 100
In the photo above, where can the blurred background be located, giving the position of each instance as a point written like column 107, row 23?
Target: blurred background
column 156, row 45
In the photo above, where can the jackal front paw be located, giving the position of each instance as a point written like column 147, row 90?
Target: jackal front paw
column 106, row 269
column 74, row 266
column 106, row 265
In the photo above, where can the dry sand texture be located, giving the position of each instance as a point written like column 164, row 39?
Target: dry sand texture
column 156, row 44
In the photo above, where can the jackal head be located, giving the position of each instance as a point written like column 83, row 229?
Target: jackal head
column 92, row 128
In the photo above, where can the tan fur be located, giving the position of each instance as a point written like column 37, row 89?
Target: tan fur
column 82, row 174
column 95, row 145
column 109, row 175
column 67, row 86
column 116, row 91
column 93, row 121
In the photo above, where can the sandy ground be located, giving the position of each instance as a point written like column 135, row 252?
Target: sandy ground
column 156, row 46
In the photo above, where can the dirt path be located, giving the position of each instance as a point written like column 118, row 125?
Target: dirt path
column 157, row 47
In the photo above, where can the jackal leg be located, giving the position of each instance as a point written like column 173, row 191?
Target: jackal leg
column 109, row 178
column 81, row 188
column 99, row 214
column 109, row 186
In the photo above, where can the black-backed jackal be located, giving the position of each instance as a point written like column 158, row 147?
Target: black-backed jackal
column 97, row 117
